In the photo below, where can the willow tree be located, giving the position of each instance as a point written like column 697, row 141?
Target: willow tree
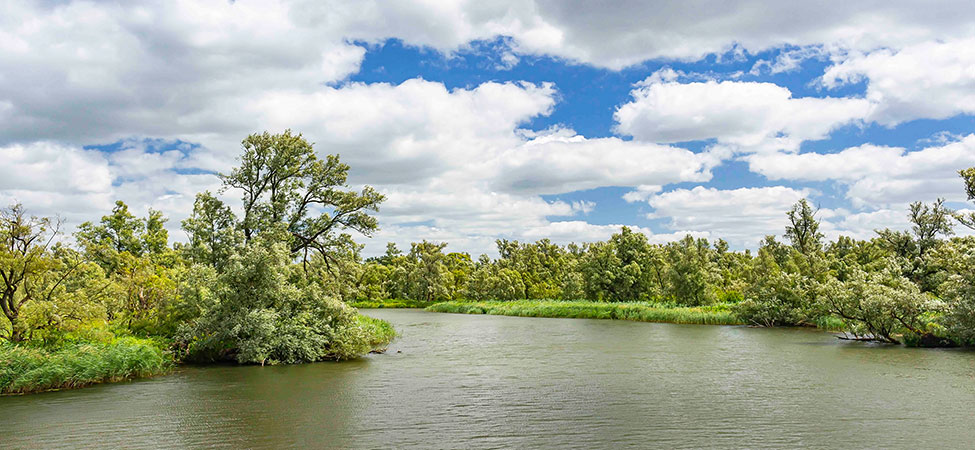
column 292, row 195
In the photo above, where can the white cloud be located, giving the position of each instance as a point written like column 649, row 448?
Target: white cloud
column 934, row 80
column 455, row 160
column 746, row 116
column 625, row 33
column 876, row 175
column 80, row 185
column 562, row 161
column 741, row 216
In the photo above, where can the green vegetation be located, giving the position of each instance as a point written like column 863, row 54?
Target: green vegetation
column 263, row 288
column 277, row 283
column 636, row 311
column 28, row 369
column 391, row 303
column 914, row 287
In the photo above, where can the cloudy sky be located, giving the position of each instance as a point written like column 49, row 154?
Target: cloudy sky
column 488, row 119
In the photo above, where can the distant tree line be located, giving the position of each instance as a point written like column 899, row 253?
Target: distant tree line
column 915, row 286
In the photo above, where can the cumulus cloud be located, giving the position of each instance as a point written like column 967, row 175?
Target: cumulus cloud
column 629, row 32
column 563, row 161
column 933, row 80
column 745, row 116
column 79, row 185
column 878, row 175
column 456, row 163
column 740, row 216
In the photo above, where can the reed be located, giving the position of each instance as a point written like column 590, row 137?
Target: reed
column 25, row 369
column 636, row 311
column 390, row 303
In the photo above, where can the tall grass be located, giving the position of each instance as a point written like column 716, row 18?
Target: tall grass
column 390, row 303
column 25, row 369
column 636, row 311
column 380, row 332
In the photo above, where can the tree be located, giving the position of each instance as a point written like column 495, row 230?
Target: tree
column 303, row 200
column 878, row 306
column 429, row 276
column 691, row 272
column 260, row 317
column 775, row 297
column 212, row 231
column 28, row 269
column 928, row 222
column 803, row 229
column 122, row 232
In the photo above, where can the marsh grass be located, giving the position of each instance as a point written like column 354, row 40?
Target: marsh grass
column 25, row 369
column 391, row 303
column 635, row 311
column 380, row 332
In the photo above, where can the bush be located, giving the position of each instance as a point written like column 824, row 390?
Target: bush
column 262, row 317
column 779, row 299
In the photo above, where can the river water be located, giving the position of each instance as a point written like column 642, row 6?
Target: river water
column 466, row 381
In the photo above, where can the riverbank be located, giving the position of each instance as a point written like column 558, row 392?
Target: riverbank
column 26, row 369
column 391, row 303
column 635, row 311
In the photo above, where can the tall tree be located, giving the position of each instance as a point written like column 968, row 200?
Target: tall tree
column 928, row 222
column 28, row 270
column 212, row 231
column 289, row 190
column 803, row 229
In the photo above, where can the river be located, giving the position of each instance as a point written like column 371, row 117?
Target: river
column 467, row 381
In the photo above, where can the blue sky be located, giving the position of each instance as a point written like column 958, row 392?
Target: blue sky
column 487, row 120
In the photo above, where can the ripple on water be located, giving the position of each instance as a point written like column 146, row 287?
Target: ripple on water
column 465, row 381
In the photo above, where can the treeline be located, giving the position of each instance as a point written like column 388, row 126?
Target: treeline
column 250, row 289
column 915, row 287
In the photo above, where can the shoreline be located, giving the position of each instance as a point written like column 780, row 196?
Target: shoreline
column 633, row 311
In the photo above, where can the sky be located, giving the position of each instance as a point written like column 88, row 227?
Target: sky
column 487, row 119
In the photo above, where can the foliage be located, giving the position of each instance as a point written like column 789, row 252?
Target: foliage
column 260, row 316
column 878, row 306
column 803, row 228
column 299, row 199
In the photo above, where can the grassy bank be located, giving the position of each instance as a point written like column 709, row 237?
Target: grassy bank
column 27, row 369
column 637, row 311
column 380, row 332
column 391, row 303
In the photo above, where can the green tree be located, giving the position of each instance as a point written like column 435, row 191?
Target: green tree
column 428, row 275
column 691, row 272
column 212, row 231
column 260, row 317
column 878, row 306
column 803, row 229
column 30, row 271
column 300, row 199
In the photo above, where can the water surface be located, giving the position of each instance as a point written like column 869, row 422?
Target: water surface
column 463, row 381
